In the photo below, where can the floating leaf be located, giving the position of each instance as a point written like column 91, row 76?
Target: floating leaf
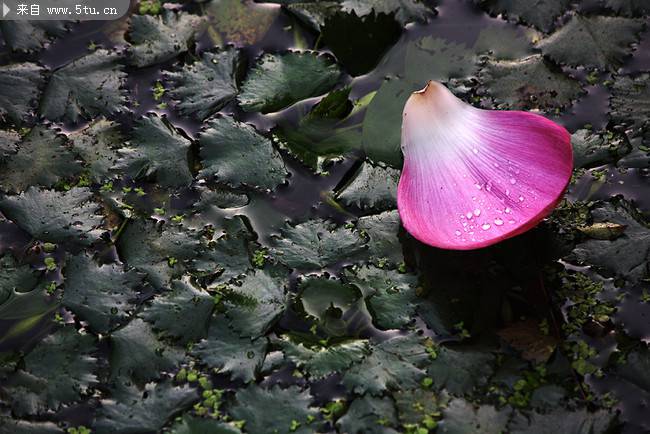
column 600, row 42
column 13, row 426
column 89, row 86
column 19, row 90
column 160, row 38
column 144, row 411
column 372, row 187
column 405, row 11
column 57, row 371
column 626, row 256
column 42, row 158
column 393, row 364
column 561, row 420
column 505, row 42
column 278, row 81
column 630, row 104
column 239, row 22
column 234, row 153
column 316, row 244
column 384, row 247
column 15, row 278
column 529, row 83
column 226, row 351
column 181, row 313
column 200, row 425
column 162, row 253
column 539, row 13
column 258, row 303
column 460, row 417
column 157, row 149
column 252, row 405
column 390, row 295
column 30, row 35
column 320, row 362
column 319, row 295
column 56, row 217
column 629, row 8
column 98, row 294
column 202, row 88
column 370, row 415
column 460, row 370
column 595, row 149
column 137, row 353
column 97, row 145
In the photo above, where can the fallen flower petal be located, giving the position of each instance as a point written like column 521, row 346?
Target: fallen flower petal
column 473, row 177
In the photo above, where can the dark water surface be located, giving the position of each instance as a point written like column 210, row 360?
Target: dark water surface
column 488, row 276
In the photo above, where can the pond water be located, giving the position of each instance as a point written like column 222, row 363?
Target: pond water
column 580, row 363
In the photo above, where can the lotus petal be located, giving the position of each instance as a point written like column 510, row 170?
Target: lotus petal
column 473, row 177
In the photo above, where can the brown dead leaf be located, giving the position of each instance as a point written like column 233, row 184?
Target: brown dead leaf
column 527, row 337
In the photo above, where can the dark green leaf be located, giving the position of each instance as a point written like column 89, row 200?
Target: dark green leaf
column 460, row 370
column 372, row 187
column 317, row 244
column 226, row 351
column 30, row 35
column 53, row 216
column 539, row 13
column 600, row 42
column 42, row 158
column 595, row 149
column 98, row 294
column 382, row 229
column 630, row 104
column 320, row 362
column 390, row 295
column 273, row 411
column 393, row 364
column 136, row 353
column 627, row 256
column 629, row 8
column 181, row 313
column 57, row 371
column 156, row 39
column 97, row 145
column 257, row 304
column 19, row 90
column 15, row 278
column 89, row 86
column 529, row 83
column 234, row 153
column 370, row 415
column 405, row 11
column 143, row 411
column 462, row 417
column 202, row 88
column 200, row 425
column 320, row 294
column 154, row 250
column 277, row 81
column 157, row 149
column 561, row 420
column 13, row 426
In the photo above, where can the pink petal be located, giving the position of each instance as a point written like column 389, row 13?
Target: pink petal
column 472, row 177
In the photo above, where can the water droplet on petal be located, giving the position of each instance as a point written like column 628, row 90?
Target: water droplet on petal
column 498, row 221
column 513, row 181
column 507, row 210
column 512, row 222
column 475, row 151
column 477, row 212
column 486, row 226
column 479, row 186
column 521, row 198
column 457, row 233
column 468, row 215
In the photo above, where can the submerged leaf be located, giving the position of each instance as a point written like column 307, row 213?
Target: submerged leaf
column 28, row 36
column 372, row 187
column 539, row 13
column 97, row 145
column 461, row 417
column 320, row 362
column 371, row 415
